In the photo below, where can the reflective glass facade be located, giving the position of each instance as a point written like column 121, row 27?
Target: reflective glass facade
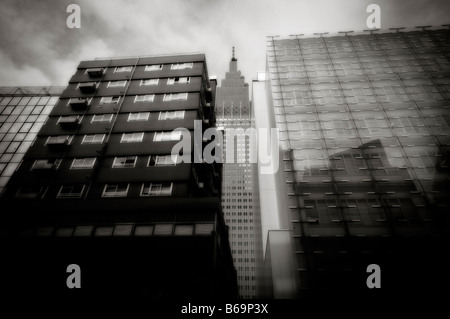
column 364, row 125
column 23, row 111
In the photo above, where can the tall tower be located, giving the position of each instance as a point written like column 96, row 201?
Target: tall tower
column 99, row 188
column 238, row 204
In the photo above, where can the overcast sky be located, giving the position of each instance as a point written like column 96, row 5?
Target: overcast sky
column 37, row 47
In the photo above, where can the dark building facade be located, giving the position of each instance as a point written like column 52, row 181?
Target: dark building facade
column 364, row 130
column 100, row 189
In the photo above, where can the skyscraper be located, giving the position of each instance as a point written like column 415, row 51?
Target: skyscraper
column 23, row 111
column 364, row 132
column 233, row 114
column 100, row 188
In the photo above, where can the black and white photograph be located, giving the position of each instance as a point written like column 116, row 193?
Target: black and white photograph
column 224, row 158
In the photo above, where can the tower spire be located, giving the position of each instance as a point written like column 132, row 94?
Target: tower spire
column 233, row 58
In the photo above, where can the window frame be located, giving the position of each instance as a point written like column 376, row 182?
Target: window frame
column 70, row 195
column 182, row 66
column 133, row 139
column 116, row 163
column 93, row 142
column 177, row 80
column 160, row 136
column 156, row 160
column 145, row 100
column 143, row 82
column 152, row 67
column 123, row 69
column 168, row 97
column 159, row 192
column 103, row 120
column 104, row 100
column 138, row 119
column 117, row 186
column 171, row 115
column 117, row 84
column 84, row 166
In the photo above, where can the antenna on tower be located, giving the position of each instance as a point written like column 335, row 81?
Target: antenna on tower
column 234, row 58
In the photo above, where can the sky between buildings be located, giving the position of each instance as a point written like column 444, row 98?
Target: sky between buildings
column 37, row 47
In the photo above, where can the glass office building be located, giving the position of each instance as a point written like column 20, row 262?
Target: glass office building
column 364, row 131
column 23, row 111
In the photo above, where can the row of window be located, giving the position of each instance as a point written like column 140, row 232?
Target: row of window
column 136, row 137
column 132, row 117
column 357, row 210
column 119, row 162
column 145, row 82
column 127, row 230
column 109, row 190
column 137, row 98
column 152, row 67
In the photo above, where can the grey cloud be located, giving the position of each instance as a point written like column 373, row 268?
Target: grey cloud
column 36, row 42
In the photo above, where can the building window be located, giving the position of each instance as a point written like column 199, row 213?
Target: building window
column 143, row 230
column 125, row 161
column 141, row 116
column 204, row 229
column 59, row 140
column 115, row 84
column 93, row 139
column 154, row 67
column 132, row 137
column 144, row 98
column 181, row 66
column 184, row 230
column 121, row 69
column 83, row 163
column 162, row 160
column 102, row 118
column 31, row 192
column 83, row 231
column 103, row 231
column 148, row 82
column 178, row 80
column 123, row 230
column 171, row 115
column 44, row 164
column 115, row 190
column 175, row 97
column 70, row 191
column 167, row 136
column 109, row 100
column 156, row 189
column 163, row 229
column 69, row 120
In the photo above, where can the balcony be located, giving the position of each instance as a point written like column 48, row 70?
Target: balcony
column 87, row 87
column 69, row 122
column 58, row 141
column 79, row 103
column 95, row 72
column 46, row 164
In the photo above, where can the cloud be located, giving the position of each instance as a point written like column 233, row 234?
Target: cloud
column 23, row 75
column 35, row 38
